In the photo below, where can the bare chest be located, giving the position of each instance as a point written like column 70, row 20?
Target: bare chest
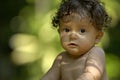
column 71, row 70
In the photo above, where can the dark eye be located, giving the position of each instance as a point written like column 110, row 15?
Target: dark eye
column 66, row 30
column 82, row 30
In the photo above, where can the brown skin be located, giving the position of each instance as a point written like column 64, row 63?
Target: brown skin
column 81, row 60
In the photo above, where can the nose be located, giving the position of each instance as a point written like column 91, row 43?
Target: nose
column 73, row 36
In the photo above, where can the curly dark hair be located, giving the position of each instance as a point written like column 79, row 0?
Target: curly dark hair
column 94, row 9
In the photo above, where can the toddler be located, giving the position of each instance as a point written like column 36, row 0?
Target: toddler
column 80, row 25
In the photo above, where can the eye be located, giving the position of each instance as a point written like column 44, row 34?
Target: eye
column 82, row 30
column 66, row 30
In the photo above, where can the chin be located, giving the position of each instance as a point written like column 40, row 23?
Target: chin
column 73, row 53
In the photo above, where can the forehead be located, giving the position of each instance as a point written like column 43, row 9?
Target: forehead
column 75, row 18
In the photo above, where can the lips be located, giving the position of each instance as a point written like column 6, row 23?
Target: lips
column 72, row 45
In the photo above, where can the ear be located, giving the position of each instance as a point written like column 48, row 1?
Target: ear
column 99, row 36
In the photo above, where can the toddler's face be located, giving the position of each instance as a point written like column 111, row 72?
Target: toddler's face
column 77, row 34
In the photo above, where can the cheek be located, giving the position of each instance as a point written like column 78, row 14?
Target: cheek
column 64, row 38
column 90, row 41
column 86, row 40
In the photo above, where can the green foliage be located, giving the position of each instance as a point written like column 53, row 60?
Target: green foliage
column 35, row 43
column 113, row 66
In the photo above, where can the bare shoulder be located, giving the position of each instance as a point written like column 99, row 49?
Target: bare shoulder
column 97, row 57
column 97, row 52
column 95, row 63
column 54, row 71
column 61, row 56
column 96, row 48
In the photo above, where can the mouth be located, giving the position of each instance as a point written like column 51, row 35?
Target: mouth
column 73, row 45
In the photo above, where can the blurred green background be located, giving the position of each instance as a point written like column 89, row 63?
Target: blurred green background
column 29, row 44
